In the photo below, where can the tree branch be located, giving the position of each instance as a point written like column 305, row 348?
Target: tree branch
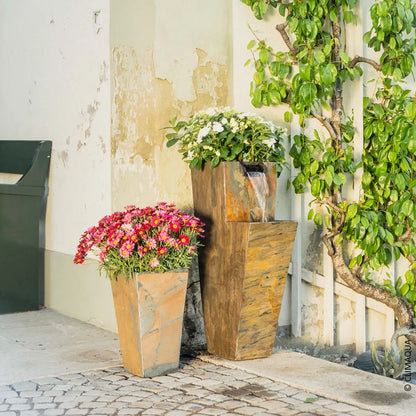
column 281, row 28
column 326, row 123
column 357, row 59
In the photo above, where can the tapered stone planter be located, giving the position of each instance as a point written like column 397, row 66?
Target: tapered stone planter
column 245, row 259
column 149, row 311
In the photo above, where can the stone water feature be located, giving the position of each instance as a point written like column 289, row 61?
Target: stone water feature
column 244, row 263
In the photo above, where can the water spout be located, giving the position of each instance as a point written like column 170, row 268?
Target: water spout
column 261, row 188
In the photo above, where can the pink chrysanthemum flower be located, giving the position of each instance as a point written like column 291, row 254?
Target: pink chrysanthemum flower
column 151, row 243
column 183, row 240
column 175, row 226
column 154, row 262
column 155, row 222
column 161, row 251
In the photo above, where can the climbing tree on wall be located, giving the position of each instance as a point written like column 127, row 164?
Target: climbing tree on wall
column 310, row 77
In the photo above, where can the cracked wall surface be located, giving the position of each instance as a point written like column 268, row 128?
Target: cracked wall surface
column 162, row 67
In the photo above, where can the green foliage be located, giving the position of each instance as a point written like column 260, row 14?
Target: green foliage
column 382, row 222
column 260, row 7
column 224, row 135
column 392, row 22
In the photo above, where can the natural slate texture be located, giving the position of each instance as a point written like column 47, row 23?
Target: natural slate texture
column 244, row 263
column 149, row 310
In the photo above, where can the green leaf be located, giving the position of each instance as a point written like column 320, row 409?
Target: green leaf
column 310, row 214
column 333, row 15
column 344, row 57
column 410, row 277
column 311, row 399
column 264, row 56
column 367, row 178
column 317, row 219
column 287, row 116
column 352, row 211
column 328, row 178
column 314, row 167
column 251, row 44
column 407, row 207
column 171, row 142
column 307, row 93
column 316, row 187
column 256, row 101
column 410, row 110
column 404, row 289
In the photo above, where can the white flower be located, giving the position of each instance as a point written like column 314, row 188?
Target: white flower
column 217, row 152
column 203, row 133
column 270, row 125
column 211, row 111
column 233, row 123
column 217, row 127
column 224, row 120
column 190, row 155
column 269, row 143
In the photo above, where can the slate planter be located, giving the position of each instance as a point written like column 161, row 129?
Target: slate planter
column 149, row 311
column 244, row 262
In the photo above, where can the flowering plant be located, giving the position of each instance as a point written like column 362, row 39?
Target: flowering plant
column 217, row 135
column 142, row 240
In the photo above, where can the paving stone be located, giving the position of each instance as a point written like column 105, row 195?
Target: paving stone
column 17, row 400
column 229, row 404
column 6, row 394
column 249, row 410
column 304, row 395
column 4, row 407
column 273, row 405
column 29, row 413
column 30, row 393
column 24, row 385
column 212, row 411
column 19, row 407
column 165, row 406
column 177, row 413
column 76, row 412
column 52, row 412
column 191, row 406
column 41, row 406
column 9, row 414
column 42, row 399
column 362, row 412
column 150, row 412
column 340, row 407
column 217, row 397
column 106, row 411
column 68, row 405
column 286, row 411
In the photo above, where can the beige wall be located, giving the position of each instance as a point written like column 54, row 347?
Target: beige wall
column 55, row 84
column 167, row 59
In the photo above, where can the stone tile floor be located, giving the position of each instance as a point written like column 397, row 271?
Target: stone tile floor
column 198, row 388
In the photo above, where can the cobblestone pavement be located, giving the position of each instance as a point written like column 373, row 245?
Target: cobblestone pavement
column 198, row 388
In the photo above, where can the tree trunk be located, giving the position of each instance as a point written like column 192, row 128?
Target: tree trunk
column 402, row 311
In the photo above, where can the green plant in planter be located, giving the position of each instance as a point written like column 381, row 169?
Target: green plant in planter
column 381, row 223
column 224, row 134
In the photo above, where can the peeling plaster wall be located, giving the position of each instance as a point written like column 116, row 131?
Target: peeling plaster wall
column 166, row 62
column 55, row 84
